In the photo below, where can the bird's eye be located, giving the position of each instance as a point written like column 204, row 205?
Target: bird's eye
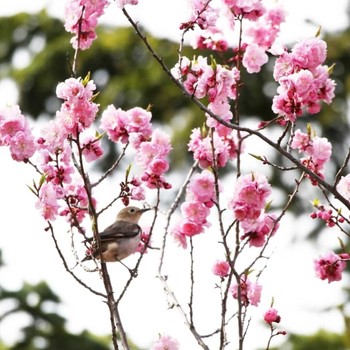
column 132, row 210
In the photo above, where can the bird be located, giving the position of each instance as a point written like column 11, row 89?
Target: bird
column 120, row 239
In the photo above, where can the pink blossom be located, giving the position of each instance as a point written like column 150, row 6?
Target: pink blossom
column 195, row 211
column 310, row 53
column 301, row 141
column 221, row 268
column 47, row 202
column 159, row 166
column 179, row 237
column 92, row 149
column 320, row 151
column 251, row 191
column 145, row 241
column 52, row 137
column 139, row 121
column 284, row 66
column 271, row 315
column 77, row 111
column 254, row 57
column 114, row 122
column 250, row 293
column 209, row 149
column 259, row 230
column 329, row 266
column 22, row 146
column 138, row 193
column 343, row 186
column 190, row 228
column 250, row 9
column 122, row 3
column 81, row 17
column 201, row 188
column 15, row 133
column 166, row 342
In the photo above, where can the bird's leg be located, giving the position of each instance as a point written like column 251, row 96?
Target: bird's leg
column 133, row 272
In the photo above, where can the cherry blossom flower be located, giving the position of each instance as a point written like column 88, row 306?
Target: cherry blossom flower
column 329, row 266
column 271, row 315
column 221, row 268
column 250, row 292
column 166, row 342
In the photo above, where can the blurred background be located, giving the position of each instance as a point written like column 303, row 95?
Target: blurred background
column 40, row 306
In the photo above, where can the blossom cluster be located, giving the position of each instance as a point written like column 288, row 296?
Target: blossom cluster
column 200, row 197
column 213, row 150
column 327, row 214
column 248, row 205
column 81, row 19
column 16, row 133
column 219, row 84
column 317, row 150
column 53, row 148
column 207, row 17
column 303, row 80
column 76, row 115
column 152, row 146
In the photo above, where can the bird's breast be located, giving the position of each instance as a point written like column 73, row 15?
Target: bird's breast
column 119, row 250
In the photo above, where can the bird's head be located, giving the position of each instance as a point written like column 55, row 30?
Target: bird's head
column 131, row 214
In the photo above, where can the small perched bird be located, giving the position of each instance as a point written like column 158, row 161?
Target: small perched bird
column 120, row 239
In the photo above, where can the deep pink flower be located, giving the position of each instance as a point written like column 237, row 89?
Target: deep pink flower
column 271, row 315
column 221, row 268
column 329, row 266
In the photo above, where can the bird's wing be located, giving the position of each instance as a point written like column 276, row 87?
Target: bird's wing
column 120, row 229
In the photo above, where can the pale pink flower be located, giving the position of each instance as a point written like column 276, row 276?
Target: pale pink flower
column 320, row 151
column 250, row 9
column 138, row 193
column 22, row 146
column 195, row 211
column 253, row 58
column 343, row 186
column 221, row 268
column 166, row 342
column 139, row 121
column 329, row 266
column 47, row 202
column 310, row 53
column 201, row 188
column 179, row 237
column 114, row 122
column 122, row 3
column 301, row 141
column 52, row 136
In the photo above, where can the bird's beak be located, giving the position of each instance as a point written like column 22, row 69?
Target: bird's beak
column 144, row 209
